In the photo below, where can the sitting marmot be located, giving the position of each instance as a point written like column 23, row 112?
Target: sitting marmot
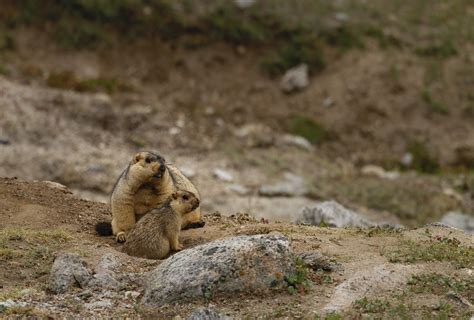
column 158, row 231
column 146, row 183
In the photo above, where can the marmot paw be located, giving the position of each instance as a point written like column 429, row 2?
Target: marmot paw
column 121, row 237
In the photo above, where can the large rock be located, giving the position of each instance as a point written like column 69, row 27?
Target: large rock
column 459, row 220
column 206, row 314
column 332, row 214
column 238, row 264
column 68, row 270
column 291, row 186
column 368, row 282
column 295, row 79
column 105, row 276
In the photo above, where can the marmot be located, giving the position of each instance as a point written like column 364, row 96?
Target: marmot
column 141, row 169
column 158, row 231
column 129, row 203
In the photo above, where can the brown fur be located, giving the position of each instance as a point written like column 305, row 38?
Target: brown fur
column 141, row 169
column 157, row 190
column 157, row 233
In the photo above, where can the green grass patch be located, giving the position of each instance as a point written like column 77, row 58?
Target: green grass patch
column 68, row 81
column 24, row 249
column 298, row 282
column 440, row 284
column 306, row 127
column 449, row 250
column 423, row 160
column 444, row 50
column 371, row 306
column 434, row 105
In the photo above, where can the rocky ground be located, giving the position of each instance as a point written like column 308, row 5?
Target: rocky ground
column 340, row 157
column 237, row 266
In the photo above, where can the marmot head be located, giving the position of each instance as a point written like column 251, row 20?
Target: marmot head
column 183, row 202
column 149, row 164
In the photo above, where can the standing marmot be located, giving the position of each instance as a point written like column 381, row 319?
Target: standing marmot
column 137, row 194
column 158, row 232
column 141, row 169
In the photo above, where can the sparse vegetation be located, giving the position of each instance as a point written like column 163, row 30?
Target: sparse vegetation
column 298, row 282
column 371, row 306
column 439, row 284
column 30, row 248
column 67, row 80
column 308, row 128
column 409, row 251
column 441, row 51
column 423, row 159
column 435, row 105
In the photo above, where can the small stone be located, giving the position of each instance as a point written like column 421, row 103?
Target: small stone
column 328, row 102
column 407, row 159
column 372, row 170
column 174, row 131
column 295, row 79
column 207, row 314
column 223, row 175
column 317, row 261
column 341, row 16
column 68, row 270
column 244, row 4
column 100, row 304
column 238, row 188
column 297, row 141
column 56, row 185
column 132, row 294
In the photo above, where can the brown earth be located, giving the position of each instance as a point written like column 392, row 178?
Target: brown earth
column 43, row 215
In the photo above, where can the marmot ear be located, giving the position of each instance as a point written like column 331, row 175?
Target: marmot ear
column 175, row 195
column 137, row 157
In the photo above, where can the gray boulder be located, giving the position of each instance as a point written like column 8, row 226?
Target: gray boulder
column 105, row 276
column 332, row 214
column 239, row 264
column 459, row 220
column 68, row 270
column 206, row 314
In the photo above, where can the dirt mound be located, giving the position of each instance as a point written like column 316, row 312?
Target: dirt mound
column 39, row 205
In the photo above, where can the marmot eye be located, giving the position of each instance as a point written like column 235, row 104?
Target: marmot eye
column 147, row 160
column 185, row 197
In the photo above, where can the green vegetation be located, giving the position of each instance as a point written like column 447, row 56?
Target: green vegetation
column 306, row 127
column 67, row 80
column 439, row 284
column 30, row 248
column 371, row 306
column 409, row 251
column 441, row 51
column 423, row 160
column 298, row 282
column 435, row 105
